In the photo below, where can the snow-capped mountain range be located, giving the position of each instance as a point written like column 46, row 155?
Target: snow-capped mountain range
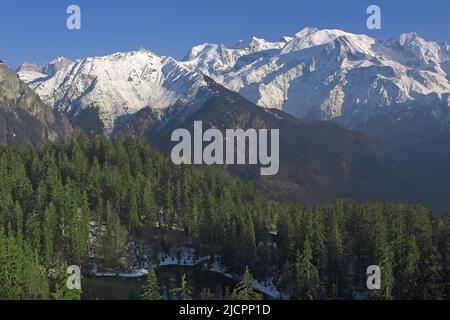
column 116, row 85
column 330, row 74
column 313, row 74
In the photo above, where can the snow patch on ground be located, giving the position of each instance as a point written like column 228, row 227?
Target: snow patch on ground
column 183, row 256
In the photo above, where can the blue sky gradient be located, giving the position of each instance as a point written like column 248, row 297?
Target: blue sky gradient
column 35, row 31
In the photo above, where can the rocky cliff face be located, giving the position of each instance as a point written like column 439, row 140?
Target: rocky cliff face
column 24, row 118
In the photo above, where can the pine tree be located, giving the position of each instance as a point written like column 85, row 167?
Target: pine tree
column 33, row 231
column 306, row 276
column 318, row 240
column 148, row 207
column 95, row 187
column 114, row 238
column 192, row 220
column 335, row 255
column 49, row 228
column 18, row 219
column 151, row 288
column 227, row 294
column 133, row 211
column 62, row 292
column 244, row 290
column 183, row 292
column 40, row 200
column 207, row 295
column 385, row 256
column 11, row 264
column 34, row 282
column 408, row 276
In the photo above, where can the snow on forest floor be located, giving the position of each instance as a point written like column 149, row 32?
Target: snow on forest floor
column 183, row 256
column 134, row 274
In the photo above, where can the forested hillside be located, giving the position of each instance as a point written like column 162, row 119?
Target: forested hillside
column 53, row 198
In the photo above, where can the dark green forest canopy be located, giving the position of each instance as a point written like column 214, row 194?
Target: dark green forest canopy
column 51, row 197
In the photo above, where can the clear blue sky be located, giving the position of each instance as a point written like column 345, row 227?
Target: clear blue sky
column 35, row 31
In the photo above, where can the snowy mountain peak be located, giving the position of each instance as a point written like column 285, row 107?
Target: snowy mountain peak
column 28, row 67
column 329, row 74
column 286, row 39
column 55, row 65
column 196, row 51
column 410, row 37
column 315, row 74
column 305, row 32
column 257, row 44
column 60, row 60
column 116, row 85
column 323, row 36
column 312, row 37
column 423, row 50
column 242, row 44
